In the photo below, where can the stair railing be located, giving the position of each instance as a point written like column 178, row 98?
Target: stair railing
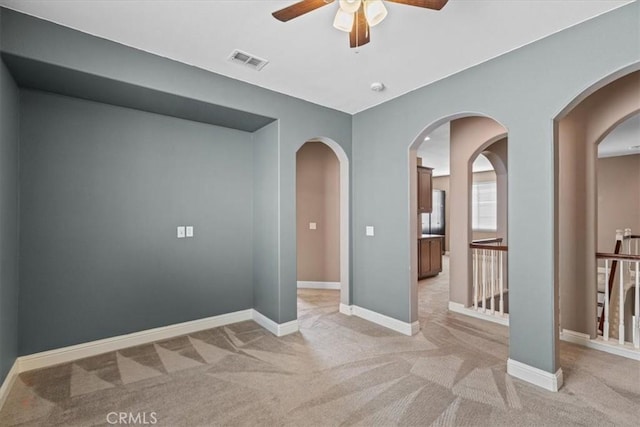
column 632, row 262
column 489, row 259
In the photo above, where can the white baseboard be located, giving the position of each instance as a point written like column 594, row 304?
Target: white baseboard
column 535, row 376
column 599, row 343
column 461, row 309
column 8, row 382
column 386, row 321
column 346, row 309
column 94, row 348
column 318, row 285
column 277, row 329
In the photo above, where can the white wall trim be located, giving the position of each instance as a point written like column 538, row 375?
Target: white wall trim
column 386, row 321
column 288, row 328
column 12, row 375
column 598, row 343
column 277, row 329
column 415, row 327
column 93, row 348
column 535, row 376
column 461, row 309
column 318, row 285
column 346, row 309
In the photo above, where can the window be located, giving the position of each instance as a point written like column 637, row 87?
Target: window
column 484, row 206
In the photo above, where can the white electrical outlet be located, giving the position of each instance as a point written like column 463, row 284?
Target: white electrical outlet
column 369, row 230
column 181, row 231
column 313, row 226
column 189, row 230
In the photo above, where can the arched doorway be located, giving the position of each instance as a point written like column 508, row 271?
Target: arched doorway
column 322, row 213
column 488, row 221
column 470, row 134
column 580, row 261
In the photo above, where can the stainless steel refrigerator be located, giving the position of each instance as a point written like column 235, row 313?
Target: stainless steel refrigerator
column 434, row 222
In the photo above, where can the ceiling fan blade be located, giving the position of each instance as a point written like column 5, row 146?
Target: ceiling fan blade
column 300, row 8
column 359, row 34
column 427, row 4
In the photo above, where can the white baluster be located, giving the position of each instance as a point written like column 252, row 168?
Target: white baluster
column 636, row 311
column 605, row 327
column 493, row 282
column 621, row 306
column 627, row 235
column 501, row 282
column 475, row 279
column 627, row 243
column 484, row 280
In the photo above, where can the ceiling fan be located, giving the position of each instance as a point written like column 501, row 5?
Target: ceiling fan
column 354, row 16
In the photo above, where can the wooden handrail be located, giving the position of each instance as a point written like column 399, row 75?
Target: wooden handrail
column 490, row 247
column 632, row 236
column 618, row 257
column 487, row 241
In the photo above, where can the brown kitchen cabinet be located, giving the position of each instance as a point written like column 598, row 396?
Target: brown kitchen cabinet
column 429, row 255
column 424, row 189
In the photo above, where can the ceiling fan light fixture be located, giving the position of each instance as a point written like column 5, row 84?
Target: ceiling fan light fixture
column 375, row 12
column 350, row 6
column 343, row 21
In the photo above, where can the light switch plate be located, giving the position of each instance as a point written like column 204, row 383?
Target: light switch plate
column 369, row 230
column 189, row 230
column 181, row 231
column 313, row 226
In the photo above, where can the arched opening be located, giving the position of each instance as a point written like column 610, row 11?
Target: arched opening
column 488, row 221
column 322, row 225
column 449, row 156
column 598, row 305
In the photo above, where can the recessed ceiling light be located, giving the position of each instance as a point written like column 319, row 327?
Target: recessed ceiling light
column 428, row 138
column 377, row 86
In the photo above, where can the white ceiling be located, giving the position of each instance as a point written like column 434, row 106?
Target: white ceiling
column 309, row 59
column 435, row 153
column 621, row 138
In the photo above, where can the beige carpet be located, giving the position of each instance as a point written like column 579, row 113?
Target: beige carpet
column 337, row 370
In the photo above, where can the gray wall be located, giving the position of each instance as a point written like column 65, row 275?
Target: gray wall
column 103, row 189
column 298, row 120
column 265, row 222
column 524, row 90
column 9, row 209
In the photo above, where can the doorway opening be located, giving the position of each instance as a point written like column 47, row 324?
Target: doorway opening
column 598, row 211
column 445, row 156
column 322, row 228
